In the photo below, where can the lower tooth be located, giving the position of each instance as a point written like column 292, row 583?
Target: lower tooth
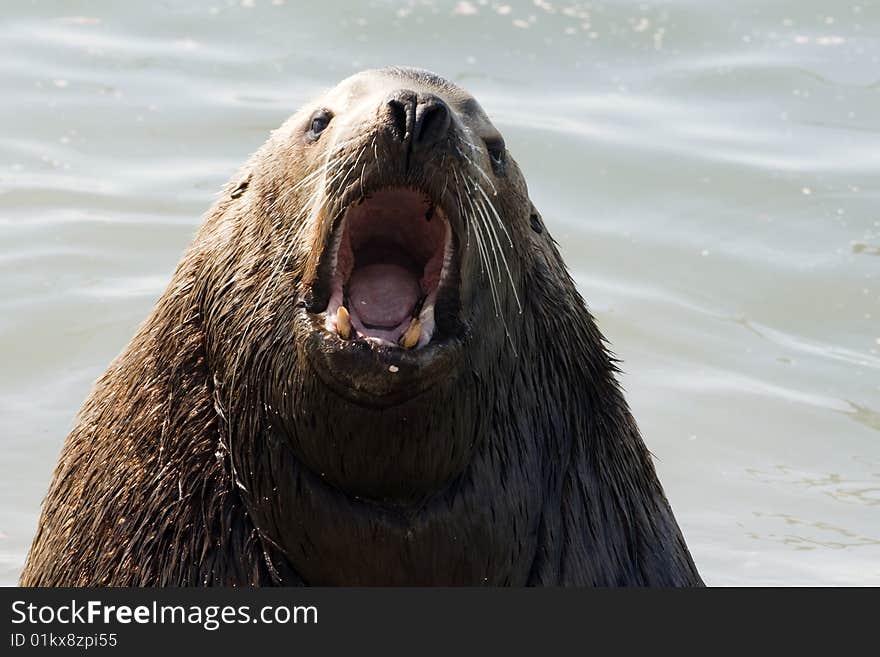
column 343, row 323
column 411, row 338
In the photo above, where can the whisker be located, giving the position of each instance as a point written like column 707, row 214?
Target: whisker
column 485, row 267
column 461, row 211
column 497, row 247
column 348, row 170
column 330, row 162
column 488, row 228
column 376, row 155
column 503, row 256
column 469, row 143
column 338, row 147
column 495, row 212
column 480, row 169
column 483, row 244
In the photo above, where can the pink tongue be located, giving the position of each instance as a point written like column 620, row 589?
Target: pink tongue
column 382, row 294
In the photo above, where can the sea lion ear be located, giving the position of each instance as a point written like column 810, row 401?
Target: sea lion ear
column 535, row 219
column 241, row 186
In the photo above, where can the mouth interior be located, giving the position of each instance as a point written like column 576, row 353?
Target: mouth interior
column 390, row 253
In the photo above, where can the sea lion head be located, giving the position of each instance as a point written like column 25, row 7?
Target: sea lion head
column 379, row 242
column 416, row 191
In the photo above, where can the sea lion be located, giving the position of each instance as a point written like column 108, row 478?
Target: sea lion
column 371, row 367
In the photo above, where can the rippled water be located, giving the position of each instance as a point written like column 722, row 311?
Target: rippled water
column 709, row 168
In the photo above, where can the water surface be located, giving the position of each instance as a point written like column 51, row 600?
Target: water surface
column 710, row 170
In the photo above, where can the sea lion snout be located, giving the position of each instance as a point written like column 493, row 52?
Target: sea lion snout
column 418, row 120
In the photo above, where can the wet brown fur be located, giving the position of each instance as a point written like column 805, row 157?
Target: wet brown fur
column 207, row 455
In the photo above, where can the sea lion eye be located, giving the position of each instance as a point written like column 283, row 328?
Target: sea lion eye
column 496, row 150
column 320, row 121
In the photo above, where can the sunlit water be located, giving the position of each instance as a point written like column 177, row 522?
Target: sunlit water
column 710, row 170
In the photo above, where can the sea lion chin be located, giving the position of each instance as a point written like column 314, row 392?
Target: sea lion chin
column 370, row 368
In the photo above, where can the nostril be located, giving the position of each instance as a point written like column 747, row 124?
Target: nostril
column 398, row 119
column 432, row 123
column 417, row 120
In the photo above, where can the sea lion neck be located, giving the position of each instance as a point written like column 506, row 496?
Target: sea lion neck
column 397, row 455
column 425, row 497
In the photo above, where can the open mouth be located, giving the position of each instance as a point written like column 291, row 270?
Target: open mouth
column 389, row 258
